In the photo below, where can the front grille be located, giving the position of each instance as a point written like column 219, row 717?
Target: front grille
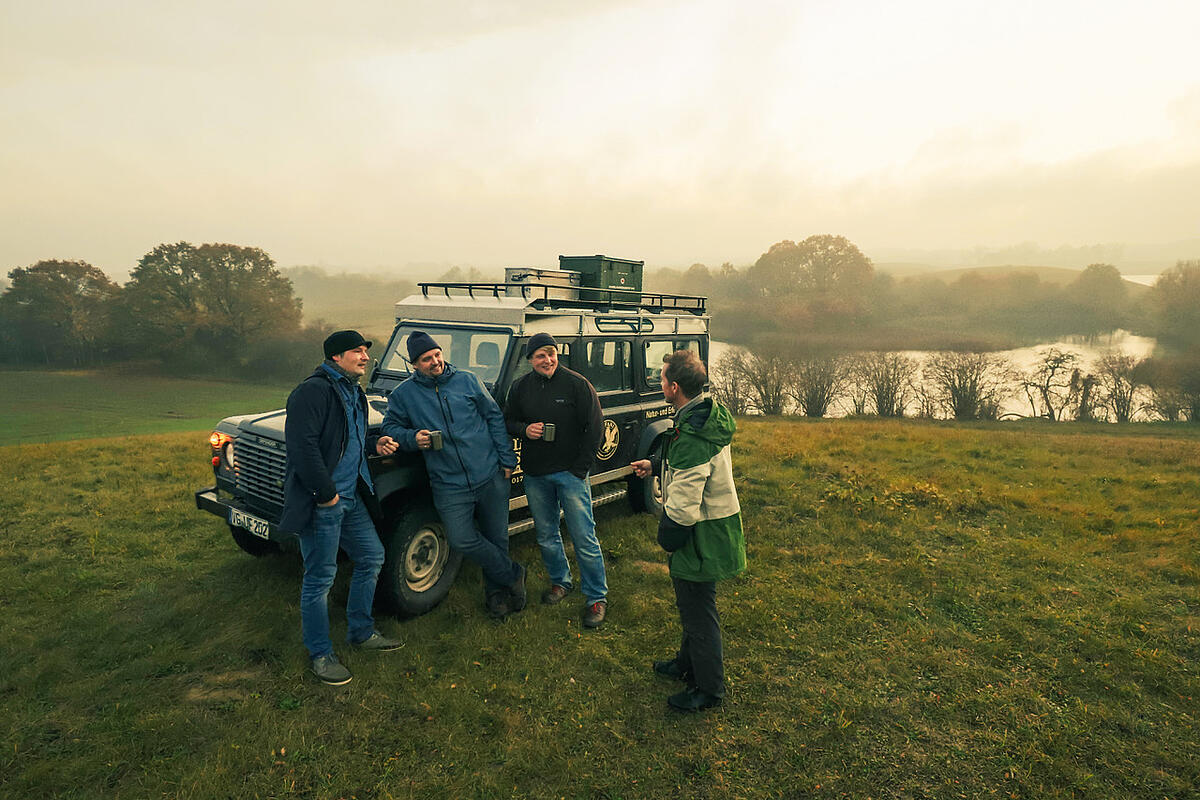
column 260, row 468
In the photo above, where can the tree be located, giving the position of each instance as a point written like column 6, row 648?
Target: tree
column 1116, row 375
column 1175, row 298
column 768, row 378
column 888, row 381
column 1101, row 295
column 815, row 380
column 729, row 383
column 58, row 311
column 821, row 265
column 208, row 302
column 1052, row 383
column 968, row 385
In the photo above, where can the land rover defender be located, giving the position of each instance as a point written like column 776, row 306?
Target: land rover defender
column 608, row 329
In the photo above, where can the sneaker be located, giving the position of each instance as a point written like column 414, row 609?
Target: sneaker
column 670, row 669
column 497, row 605
column 517, row 595
column 554, row 595
column 693, row 700
column 330, row 670
column 593, row 613
column 379, row 643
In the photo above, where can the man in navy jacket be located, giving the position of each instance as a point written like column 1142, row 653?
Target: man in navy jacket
column 470, row 472
column 326, row 486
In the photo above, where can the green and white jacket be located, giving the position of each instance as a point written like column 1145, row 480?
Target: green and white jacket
column 702, row 521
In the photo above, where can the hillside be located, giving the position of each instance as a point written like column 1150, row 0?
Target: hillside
column 931, row 610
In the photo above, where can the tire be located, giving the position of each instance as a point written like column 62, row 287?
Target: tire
column 645, row 494
column 419, row 566
column 252, row 544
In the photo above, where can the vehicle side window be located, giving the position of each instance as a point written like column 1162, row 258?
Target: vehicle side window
column 654, row 351
column 608, row 365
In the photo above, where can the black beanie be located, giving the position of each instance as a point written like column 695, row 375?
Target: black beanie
column 341, row 341
column 420, row 343
column 537, row 342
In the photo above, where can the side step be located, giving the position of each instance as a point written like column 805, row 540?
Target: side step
column 607, row 493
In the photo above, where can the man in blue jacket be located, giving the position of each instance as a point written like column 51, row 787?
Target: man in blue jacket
column 325, row 488
column 469, row 468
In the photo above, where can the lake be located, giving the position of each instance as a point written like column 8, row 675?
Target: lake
column 1089, row 349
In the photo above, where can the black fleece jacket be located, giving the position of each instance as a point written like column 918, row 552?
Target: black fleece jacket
column 570, row 402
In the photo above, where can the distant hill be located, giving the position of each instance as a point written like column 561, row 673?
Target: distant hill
column 1057, row 276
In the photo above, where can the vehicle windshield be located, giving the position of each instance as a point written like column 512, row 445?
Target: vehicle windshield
column 480, row 351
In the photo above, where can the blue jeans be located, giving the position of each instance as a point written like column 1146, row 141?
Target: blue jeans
column 563, row 490
column 347, row 525
column 477, row 526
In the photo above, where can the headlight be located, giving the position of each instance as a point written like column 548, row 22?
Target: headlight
column 219, row 440
column 228, row 453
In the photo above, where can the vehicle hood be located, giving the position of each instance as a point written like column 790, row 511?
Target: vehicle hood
column 269, row 424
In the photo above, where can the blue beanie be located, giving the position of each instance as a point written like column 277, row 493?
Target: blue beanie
column 420, row 343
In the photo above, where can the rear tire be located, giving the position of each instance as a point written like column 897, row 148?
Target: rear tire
column 419, row 565
column 254, row 545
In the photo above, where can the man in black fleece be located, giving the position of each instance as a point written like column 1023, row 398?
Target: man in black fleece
column 556, row 471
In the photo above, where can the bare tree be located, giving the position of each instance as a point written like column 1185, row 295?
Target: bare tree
column 729, row 383
column 768, row 377
column 968, row 385
column 1116, row 376
column 888, row 380
column 1049, row 384
column 816, row 380
column 1084, row 396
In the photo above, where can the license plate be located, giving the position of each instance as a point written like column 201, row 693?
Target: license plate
column 259, row 527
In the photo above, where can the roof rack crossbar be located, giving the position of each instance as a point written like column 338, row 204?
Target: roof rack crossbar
column 540, row 295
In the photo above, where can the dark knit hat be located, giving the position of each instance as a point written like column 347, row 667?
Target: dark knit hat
column 420, row 343
column 340, row 341
column 537, row 342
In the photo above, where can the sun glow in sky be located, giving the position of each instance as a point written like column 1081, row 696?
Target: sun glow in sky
column 383, row 134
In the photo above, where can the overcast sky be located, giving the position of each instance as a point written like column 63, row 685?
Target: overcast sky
column 378, row 134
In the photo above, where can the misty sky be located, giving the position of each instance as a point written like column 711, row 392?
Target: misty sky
column 373, row 134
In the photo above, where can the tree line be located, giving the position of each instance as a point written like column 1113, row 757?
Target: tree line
column 1058, row 386
column 217, row 309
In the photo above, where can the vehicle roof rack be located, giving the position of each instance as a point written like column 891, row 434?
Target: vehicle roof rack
column 545, row 296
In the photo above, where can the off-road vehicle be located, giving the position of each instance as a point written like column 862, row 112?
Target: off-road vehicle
column 607, row 328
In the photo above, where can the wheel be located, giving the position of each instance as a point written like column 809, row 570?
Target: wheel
column 645, row 494
column 419, row 565
column 254, row 545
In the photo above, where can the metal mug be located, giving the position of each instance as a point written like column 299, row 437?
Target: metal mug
column 548, row 431
column 435, row 440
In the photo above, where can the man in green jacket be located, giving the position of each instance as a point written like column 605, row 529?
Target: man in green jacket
column 701, row 527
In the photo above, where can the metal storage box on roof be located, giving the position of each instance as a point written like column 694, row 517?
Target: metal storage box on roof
column 603, row 272
column 552, row 284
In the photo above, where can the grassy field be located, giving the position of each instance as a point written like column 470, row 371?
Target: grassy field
column 930, row 611
column 56, row 406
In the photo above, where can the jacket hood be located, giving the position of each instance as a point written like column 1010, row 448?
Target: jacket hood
column 710, row 421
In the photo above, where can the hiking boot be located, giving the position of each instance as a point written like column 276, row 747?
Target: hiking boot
column 693, row 700
column 497, row 605
column 379, row 643
column 517, row 595
column 330, row 670
column 670, row 669
column 554, row 595
column 593, row 613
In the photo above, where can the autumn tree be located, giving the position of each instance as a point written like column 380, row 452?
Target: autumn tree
column 58, row 312
column 208, row 302
column 1052, row 384
column 1175, row 298
column 820, row 265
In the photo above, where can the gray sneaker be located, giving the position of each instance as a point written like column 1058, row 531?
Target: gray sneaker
column 379, row 643
column 330, row 670
column 593, row 613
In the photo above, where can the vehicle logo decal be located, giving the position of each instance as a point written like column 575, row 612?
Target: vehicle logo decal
column 612, row 437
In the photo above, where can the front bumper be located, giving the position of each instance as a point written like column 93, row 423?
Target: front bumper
column 208, row 500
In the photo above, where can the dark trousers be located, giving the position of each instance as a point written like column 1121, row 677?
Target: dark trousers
column 700, row 650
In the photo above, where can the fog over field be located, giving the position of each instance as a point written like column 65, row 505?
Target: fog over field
column 391, row 134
